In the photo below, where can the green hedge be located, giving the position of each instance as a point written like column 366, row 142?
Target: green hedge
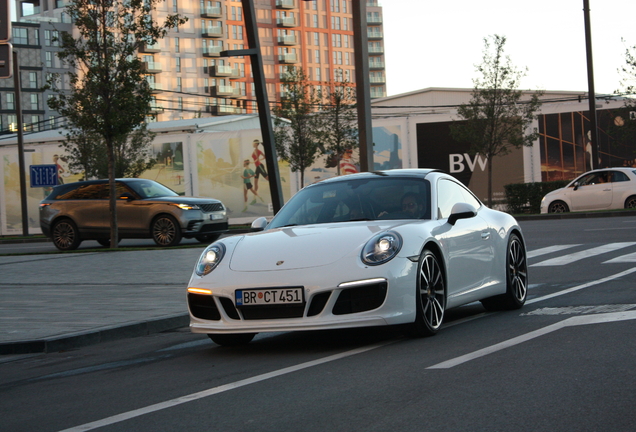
column 526, row 197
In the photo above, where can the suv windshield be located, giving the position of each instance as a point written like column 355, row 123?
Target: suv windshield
column 357, row 199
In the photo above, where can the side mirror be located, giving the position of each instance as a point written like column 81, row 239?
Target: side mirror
column 576, row 185
column 461, row 211
column 259, row 224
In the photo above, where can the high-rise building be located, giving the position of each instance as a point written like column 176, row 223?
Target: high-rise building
column 185, row 69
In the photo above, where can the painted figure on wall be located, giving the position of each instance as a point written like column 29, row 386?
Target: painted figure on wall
column 247, row 176
column 259, row 157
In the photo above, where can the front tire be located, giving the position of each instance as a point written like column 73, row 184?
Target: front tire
column 166, row 231
column 232, row 339
column 430, row 298
column 558, row 207
column 516, row 278
column 65, row 235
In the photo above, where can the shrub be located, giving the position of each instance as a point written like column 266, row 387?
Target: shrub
column 526, row 197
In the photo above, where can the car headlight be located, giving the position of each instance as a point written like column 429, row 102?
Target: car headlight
column 210, row 259
column 188, row 206
column 381, row 248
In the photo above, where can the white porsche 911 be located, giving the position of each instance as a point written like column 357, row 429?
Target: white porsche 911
column 368, row 249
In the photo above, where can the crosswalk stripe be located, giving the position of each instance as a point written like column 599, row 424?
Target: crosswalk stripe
column 549, row 249
column 629, row 258
column 570, row 258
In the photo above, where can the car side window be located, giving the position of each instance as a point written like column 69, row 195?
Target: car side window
column 86, row 192
column 450, row 193
column 618, row 176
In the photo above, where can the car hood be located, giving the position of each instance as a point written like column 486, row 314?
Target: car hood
column 301, row 247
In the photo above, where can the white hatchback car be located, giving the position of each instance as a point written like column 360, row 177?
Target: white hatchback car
column 602, row 189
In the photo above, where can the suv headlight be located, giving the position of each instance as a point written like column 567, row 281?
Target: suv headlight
column 188, row 206
column 381, row 248
column 210, row 259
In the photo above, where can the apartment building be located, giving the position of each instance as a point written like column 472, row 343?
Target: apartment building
column 189, row 77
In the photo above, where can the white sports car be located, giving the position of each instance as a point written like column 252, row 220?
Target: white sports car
column 368, row 249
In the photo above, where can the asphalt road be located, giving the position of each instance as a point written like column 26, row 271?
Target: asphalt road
column 565, row 362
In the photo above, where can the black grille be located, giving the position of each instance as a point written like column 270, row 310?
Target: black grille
column 228, row 307
column 207, row 208
column 360, row 299
column 203, row 307
column 318, row 303
column 214, row 227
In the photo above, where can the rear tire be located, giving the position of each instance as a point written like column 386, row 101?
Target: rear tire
column 165, row 231
column 430, row 297
column 65, row 235
column 558, row 207
column 232, row 339
column 630, row 202
column 516, row 279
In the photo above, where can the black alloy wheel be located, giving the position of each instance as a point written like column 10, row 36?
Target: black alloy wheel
column 430, row 296
column 166, row 231
column 65, row 235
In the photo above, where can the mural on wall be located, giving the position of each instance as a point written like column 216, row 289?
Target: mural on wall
column 387, row 154
column 169, row 169
column 231, row 167
column 437, row 149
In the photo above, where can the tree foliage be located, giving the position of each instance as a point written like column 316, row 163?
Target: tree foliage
column 496, row 119
column 87, row 154
column 339, row 121
column 296, row 124
column 109, row 96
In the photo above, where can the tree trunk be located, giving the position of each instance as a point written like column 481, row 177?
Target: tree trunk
column 112, row 205
column 490, row 161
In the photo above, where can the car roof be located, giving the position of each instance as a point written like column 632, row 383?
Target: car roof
column 407, row 172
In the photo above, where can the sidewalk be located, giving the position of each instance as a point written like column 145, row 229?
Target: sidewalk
column 54, row 302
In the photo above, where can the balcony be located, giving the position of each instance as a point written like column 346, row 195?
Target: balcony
column 376, row 65
column 212, row 32
column 212, row 12
column 212, row 51
column 151, row 67
column 376, row 50
column 155, row 109
column 285, row 4
column 375, row 80
column 287, row 40
column 224, row 91
column 374, row 34
column 288, row 58
column 155, row 87
column 223, row 110
column 287, row 21
column 150, row 48
column 223, row 71
column 374, row 20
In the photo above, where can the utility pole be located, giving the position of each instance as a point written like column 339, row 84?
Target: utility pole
column 264, row 115
column 590, row 85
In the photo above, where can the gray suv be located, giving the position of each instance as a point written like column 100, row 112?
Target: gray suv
column 145, row 209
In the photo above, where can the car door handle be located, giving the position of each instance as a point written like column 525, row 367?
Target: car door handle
column 607, row 190
column 485, row 235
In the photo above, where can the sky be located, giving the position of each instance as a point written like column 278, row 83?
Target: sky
column 437, row 43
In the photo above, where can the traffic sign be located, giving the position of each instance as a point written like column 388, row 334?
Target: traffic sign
column 5, row 21
column 6, row 60
column 43, row 175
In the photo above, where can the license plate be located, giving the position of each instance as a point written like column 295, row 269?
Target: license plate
column 216, row 217
column 271, row 296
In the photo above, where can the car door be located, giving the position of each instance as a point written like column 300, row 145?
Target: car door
column 469, row 242
column 622, row 188
column 594, row 192
column 131, row 215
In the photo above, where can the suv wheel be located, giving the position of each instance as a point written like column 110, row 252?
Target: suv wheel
column 166, row 231
column 65, row 235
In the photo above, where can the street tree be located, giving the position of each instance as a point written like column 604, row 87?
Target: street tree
column 498, row 117
column 624, row 127
column 88, row 153
column 296, row 124
column 109, row 95
column 339, row 121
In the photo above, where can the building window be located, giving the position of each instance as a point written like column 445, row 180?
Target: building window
column 176, row 45
column 177, row 63
column 33, row 80
column 12, row 119
column 315, row 21
column 316, row 38
column 20, row 36
column 180, row 102
column 179, row 86
column 35, row 123
column 49, row 59
column 11, row 101
column 35, row 102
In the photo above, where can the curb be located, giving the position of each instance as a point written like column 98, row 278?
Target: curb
column 92, row 337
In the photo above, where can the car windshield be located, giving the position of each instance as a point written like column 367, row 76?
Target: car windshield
column 378, row 198
column 151, row 189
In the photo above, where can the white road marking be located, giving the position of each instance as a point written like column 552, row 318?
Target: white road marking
column 220, row 389
column 570, row 322
column 549, row 249
column 567, row 259
column 629, row 258
column 578, row 310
